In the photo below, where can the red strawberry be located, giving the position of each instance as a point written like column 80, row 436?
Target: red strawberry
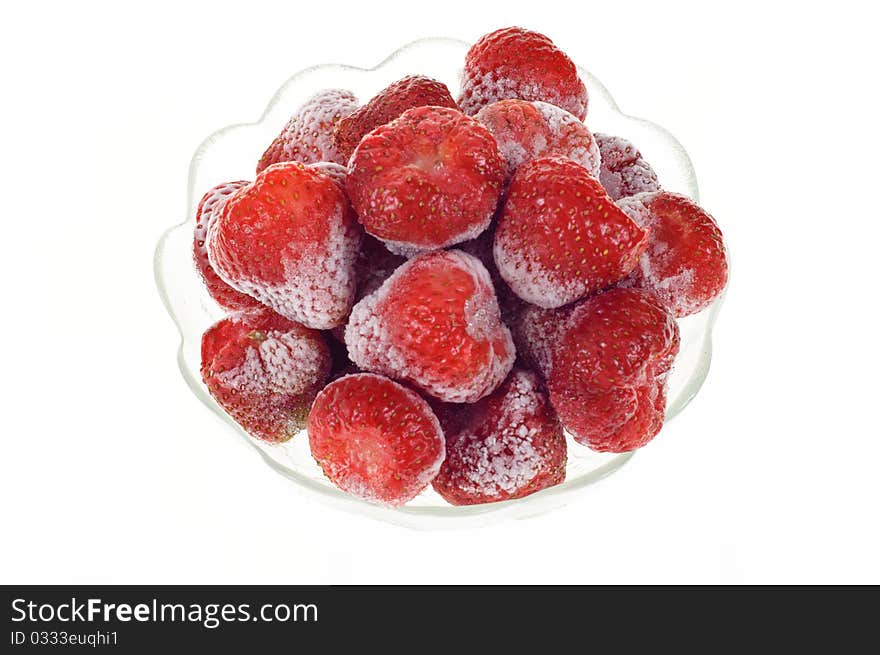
column 427, row 180
column 507, row 445
column 264, row 371
column 375, row 438
column 388, row 104
column 560, row 237
column 206, row 214
column 528, row 130
column 308, row 135
column 685, row 263
column 610, row 363
column 624, row 172
column 435, row 323
column 290, row 239
column 518, row 63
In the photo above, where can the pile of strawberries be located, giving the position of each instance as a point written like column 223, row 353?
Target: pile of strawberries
column 435, row 288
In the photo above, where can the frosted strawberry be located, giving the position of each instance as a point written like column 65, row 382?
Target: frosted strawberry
column 290, row 240
column 435, row 323
column 507, row 445
column 685, row 263
column 529, row 130
column 206, row 213
column 308, row 135
column 609, row 369
column 429, row 179
column 518, row 63
column 624, row 172
column 375, row 438
column 264, row 371
column 559, row 237
column 388, row 104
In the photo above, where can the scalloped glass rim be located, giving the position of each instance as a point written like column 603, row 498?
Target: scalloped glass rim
column 231, row 153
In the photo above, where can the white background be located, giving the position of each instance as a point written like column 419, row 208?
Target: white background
column 112, row 471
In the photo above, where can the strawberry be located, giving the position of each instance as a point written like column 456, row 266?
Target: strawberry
column 623, row 171
column 388, row 104
column 609, row 368
column 375, row 438
column 435, row 323
column 289, row 239
column 507, row 445
column 429, row 179
column 528, row 130
column 685, row 262
column 560, row 237
column 308, row 135
column 264, row 371
column 518, row 63
column 206, row 213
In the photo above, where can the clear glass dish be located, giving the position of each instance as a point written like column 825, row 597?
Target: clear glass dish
column 232, row 153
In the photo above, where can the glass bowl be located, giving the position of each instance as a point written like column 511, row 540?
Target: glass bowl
column 232, row 154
